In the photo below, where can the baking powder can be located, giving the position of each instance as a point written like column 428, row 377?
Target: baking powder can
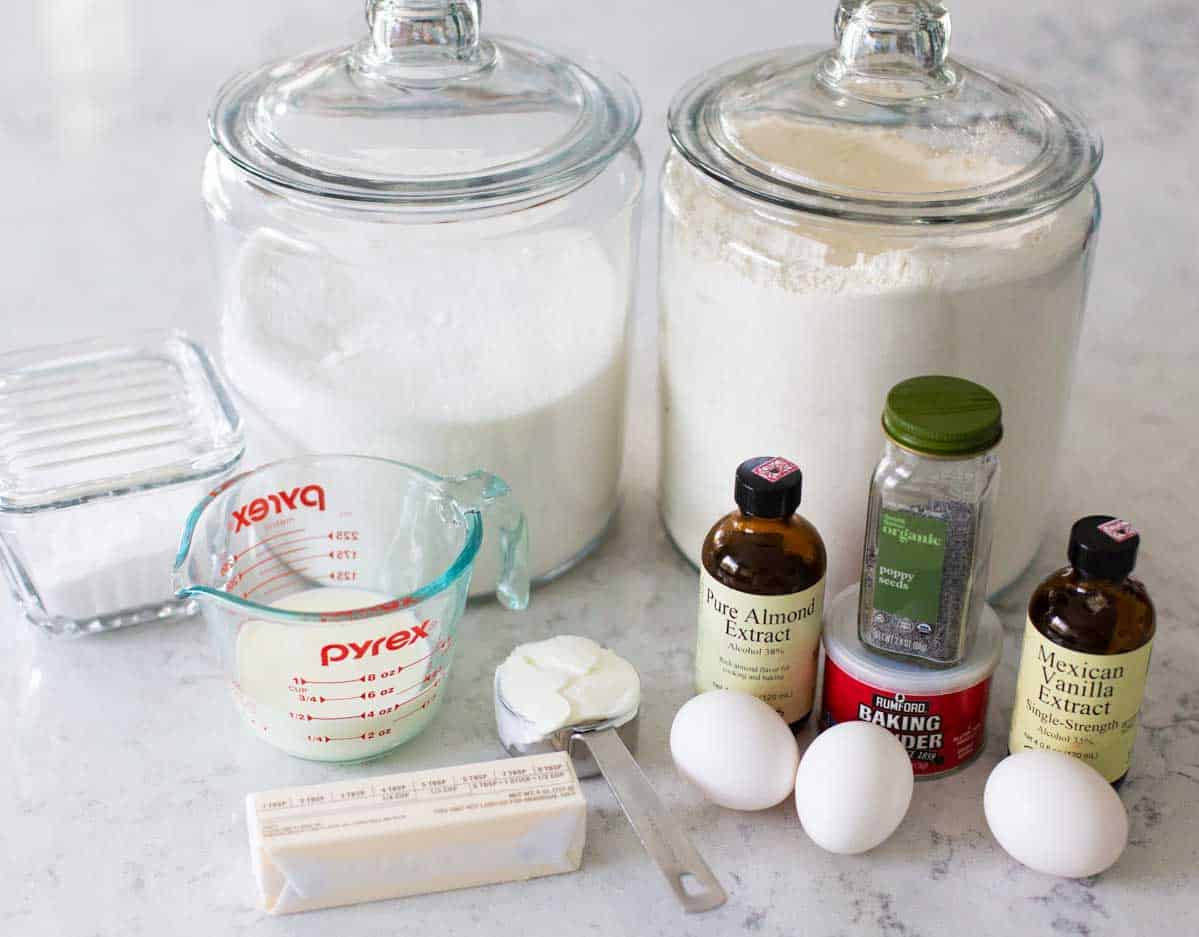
column 938, row 714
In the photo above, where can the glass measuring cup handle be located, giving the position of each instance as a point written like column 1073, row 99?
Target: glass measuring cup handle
column 490, row 497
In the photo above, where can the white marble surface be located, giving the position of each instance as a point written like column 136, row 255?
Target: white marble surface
column 121, row 801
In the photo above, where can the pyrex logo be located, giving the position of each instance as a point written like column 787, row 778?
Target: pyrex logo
column 310, row 496
column 352, row 650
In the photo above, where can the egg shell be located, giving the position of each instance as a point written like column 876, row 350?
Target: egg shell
column 1055, row 814
column 853, row 787
column 737, row 750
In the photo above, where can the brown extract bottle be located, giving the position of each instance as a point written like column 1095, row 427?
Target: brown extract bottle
column 761, row 597
column 1085, row 657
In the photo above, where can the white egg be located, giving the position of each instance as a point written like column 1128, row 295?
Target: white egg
column 853, row 787
column 736, row 749
column 1055, row 814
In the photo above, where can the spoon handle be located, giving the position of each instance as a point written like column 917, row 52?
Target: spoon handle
column 689, row 876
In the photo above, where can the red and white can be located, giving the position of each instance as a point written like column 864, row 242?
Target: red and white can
column 940, row 714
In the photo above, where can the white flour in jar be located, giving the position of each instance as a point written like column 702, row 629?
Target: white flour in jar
column 781, row 334
column 504, row 353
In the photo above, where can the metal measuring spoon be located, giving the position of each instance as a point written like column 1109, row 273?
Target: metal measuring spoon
column 606, row 748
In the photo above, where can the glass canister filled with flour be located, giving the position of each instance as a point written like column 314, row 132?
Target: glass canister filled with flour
column 426, row 250
column 835, row 222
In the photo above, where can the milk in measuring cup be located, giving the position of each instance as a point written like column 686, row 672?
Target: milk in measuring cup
column 341, row 691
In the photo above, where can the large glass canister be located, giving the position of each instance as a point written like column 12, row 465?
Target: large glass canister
column 425, row 243
column 835, row 222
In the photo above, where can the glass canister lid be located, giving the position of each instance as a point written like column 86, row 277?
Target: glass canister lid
column 886, row 127
column 426, row 112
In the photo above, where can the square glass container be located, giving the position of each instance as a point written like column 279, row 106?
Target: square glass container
column 105, row 446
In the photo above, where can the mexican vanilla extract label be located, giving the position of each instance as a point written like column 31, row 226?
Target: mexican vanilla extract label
column 1085, row 705
column 766, row 645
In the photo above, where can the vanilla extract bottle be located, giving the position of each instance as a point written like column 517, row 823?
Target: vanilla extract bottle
column 1085, row 658
column 761, row 596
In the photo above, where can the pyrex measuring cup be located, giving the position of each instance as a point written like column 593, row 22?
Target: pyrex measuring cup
column 332, row 587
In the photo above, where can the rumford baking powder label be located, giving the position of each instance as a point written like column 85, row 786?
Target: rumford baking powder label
column 940, row 732
column 761, row 644
column 1083, row 704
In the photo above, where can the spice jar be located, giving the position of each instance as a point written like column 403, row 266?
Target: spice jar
column 929, row 521
column 425, row 242
column 874, row 211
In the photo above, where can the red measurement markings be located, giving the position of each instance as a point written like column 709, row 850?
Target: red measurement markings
column 378, row 675
column 304, row 681
column 369, row 714
column 273, row 558
column 364, row 737
column 236, row 557
column 349, row 535
column 433, row 687
column 423, row 706
column 291, row 572
column 366, row 695
column 375, row 733
column 432, row 676
column 231, row 562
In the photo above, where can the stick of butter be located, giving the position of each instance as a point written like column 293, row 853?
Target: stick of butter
column 408, row 834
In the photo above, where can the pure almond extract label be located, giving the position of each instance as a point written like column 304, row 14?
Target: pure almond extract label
column 766, row 645
column 1085, row 705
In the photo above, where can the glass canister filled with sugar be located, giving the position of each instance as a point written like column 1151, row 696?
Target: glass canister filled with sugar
column 425, row 242
column 930, row 520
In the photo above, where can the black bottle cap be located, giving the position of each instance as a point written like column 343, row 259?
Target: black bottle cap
column 768, row 486
column 1103, row 547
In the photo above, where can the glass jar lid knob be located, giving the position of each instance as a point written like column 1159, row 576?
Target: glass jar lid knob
column 890, row 50
column 430, row 39
column 424, row 115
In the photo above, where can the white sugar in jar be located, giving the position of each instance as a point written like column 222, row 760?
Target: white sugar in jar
column 426, row 249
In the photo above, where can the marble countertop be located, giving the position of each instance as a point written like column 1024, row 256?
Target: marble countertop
column 121, row 806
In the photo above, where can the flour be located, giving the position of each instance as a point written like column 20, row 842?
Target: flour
column 484, row 349
column 782, row 332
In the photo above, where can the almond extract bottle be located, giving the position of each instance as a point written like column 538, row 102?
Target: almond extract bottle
column 1086, row 652
column 761, row 594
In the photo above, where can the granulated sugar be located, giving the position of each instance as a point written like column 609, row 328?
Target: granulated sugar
column 506, row 354
column 783, row 332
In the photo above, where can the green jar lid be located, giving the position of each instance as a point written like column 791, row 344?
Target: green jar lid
column 943, row 416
